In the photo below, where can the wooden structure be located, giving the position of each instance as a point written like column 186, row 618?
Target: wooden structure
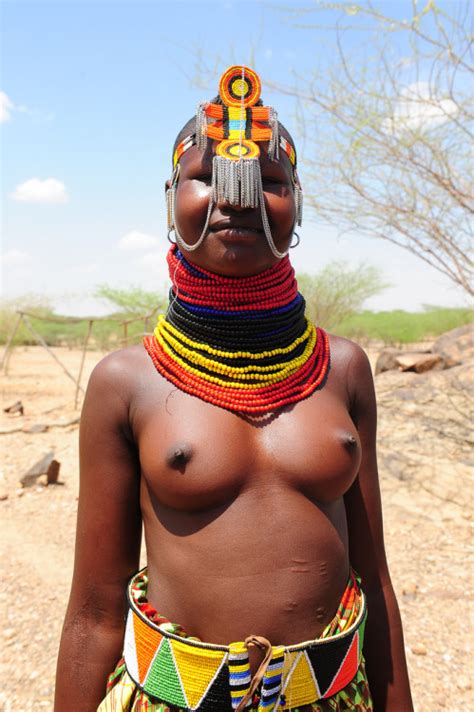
column 24, row 319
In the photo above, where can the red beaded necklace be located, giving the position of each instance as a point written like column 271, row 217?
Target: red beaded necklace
column 243, row 344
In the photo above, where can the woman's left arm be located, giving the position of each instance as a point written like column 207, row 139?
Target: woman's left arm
column 383, row 647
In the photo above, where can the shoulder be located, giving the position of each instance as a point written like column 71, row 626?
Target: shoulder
column 118, row 373
column 351, row 366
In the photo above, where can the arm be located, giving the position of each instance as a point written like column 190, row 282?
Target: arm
column 107, row 542
column 383, row 646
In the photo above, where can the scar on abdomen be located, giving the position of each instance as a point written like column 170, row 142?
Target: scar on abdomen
column 299, row 569
column 290, row 607
column 323, row 569
column 320, row 614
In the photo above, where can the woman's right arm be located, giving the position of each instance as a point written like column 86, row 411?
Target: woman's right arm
column 107, row 540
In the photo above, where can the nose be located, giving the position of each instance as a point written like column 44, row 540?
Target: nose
column 226, row 206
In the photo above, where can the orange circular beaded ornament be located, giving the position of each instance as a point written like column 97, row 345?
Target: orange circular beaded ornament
column 240, row 86
column 235, row 150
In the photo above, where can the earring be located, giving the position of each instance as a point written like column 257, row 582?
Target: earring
column 171, row 197
column 295, row 244
column 298, row 198
column 170, row 231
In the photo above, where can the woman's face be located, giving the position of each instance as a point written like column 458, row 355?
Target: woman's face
column 235, row 244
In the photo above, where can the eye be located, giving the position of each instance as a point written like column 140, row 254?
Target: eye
column 204, row 178
column 274, row 182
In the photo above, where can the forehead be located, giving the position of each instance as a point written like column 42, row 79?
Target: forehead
column 195, row 157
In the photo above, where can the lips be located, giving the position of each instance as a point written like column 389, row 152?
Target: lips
column 235, row 226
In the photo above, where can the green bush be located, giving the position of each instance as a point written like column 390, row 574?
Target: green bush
column 339, row 291
column 402, row 327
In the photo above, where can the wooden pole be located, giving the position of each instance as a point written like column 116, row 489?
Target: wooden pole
column 43, row 343
column 9, row 345
column 83, row 358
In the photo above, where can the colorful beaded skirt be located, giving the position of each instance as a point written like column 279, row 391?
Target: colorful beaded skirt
column 244, row 344
column 205, row 677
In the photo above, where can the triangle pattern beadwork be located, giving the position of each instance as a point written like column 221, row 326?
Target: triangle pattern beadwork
column 147, row 639
column 197, row 669
column 217, row 697
column 325, row 660
column 163, row 680
column 348, row 668
column 301, row 688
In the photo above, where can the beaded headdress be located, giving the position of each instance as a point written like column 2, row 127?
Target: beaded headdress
column 239, row 121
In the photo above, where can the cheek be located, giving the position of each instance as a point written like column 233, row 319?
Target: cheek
column 192, row 201
column 281, row 210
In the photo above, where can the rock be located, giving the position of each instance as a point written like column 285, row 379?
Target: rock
column 419, row 362
column 36, row 428
column 16, row 407
column 463, row 683
column 46, row 466
column 387, row 360
column 410, row 589
column 455, row 346
column 53, row 473
column 8, row 633
column 419, row 649
column 3, row 496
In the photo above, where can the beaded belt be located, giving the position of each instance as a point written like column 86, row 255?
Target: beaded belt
column 193, row 675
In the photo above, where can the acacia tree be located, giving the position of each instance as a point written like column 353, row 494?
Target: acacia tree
column 389, row 135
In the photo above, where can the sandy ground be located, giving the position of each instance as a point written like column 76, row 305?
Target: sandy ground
column 428, row 539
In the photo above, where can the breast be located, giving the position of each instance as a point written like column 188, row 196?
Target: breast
column 206, row 457
column 218, row 457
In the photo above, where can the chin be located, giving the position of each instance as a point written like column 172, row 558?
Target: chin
column 244, row 260
column 231, row 258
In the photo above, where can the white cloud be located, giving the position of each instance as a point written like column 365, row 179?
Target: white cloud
column 419, row 108
column 15, row 258
column 35, row 190
column 136, row 240
column 6, row 105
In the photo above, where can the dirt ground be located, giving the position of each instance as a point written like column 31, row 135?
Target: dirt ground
column 428, row 524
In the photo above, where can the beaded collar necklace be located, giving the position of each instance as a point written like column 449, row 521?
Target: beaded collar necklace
column 243, row 344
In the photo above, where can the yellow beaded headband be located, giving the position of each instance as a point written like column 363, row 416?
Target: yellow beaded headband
column 239, row 121
column 190, row 141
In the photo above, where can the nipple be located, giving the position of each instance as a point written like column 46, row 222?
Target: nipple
column 178, row 455
column 349, row 441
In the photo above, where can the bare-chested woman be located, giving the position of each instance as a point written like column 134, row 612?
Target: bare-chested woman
column 255, row 504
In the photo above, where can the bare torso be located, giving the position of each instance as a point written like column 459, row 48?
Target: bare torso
column 244, row 519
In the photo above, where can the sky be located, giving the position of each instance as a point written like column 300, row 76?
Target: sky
column 92, row 95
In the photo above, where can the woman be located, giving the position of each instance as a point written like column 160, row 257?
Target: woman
column 244, row 439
